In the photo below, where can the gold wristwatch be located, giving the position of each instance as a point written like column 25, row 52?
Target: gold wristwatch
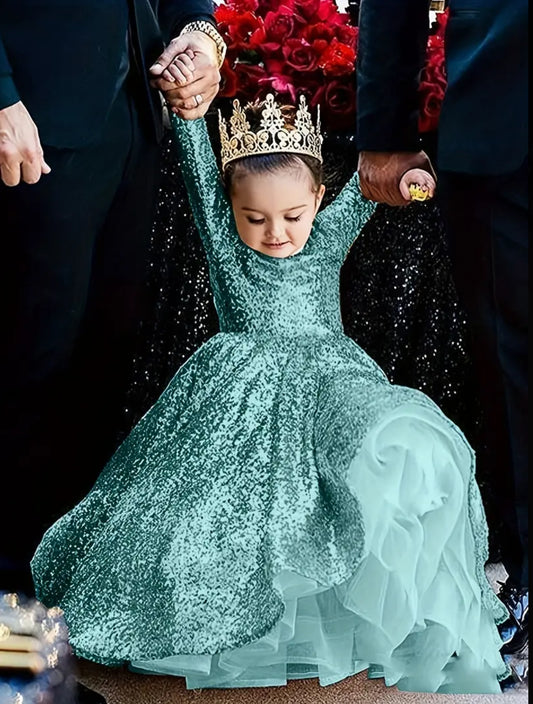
column 209, row 29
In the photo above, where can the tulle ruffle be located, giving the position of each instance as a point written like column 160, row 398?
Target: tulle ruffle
column 418, row 610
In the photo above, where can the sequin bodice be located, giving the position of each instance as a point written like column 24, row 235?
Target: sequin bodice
column 254, row 293
column 277, row 297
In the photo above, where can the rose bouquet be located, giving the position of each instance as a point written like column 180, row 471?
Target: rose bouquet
column 294, row 47
column 291, row 47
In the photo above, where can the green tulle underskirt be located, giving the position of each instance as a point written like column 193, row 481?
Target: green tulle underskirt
column 418, row 611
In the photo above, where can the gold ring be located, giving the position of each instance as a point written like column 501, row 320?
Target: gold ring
column 418, row 193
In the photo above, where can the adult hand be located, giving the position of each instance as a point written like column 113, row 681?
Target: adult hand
column 380, row 174
column 21, row 154
column 187, row 74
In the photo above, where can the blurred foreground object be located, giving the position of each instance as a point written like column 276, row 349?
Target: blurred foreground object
column 36, row 663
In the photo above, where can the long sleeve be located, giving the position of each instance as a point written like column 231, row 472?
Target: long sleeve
column 391, row 51
column 8, row 91
column 210, row 205
column 340, row 223
column 175, row 14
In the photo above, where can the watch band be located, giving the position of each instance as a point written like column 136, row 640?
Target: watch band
column 209, row 29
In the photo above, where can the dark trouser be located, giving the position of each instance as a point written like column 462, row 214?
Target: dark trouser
column 486, row 219
column 74, row 260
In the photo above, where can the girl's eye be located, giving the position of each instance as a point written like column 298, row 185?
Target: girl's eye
column 296, row 219
column 256, row 222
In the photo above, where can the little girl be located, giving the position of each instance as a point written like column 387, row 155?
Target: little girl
column 282, row 511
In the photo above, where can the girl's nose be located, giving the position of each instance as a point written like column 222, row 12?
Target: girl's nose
column 275, row 230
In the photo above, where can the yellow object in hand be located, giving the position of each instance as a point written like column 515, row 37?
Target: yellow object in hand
column 418, row 193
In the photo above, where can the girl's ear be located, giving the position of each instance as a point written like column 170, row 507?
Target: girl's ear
column 319, row 196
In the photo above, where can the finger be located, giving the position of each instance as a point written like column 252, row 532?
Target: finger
column 430, row 182
column 176, row 46
column 31, row 170
column 193, row 103
column 167, row 76
column 187, row 60
column 181, row 72
column 10, row 172
column 203, row 85
column 199, row 101
column 191, row 113
column 162, row 85
column 395, row 199
column 364, row 189
column 392, row 196
column 404, row 190
column 178, row 74
column 381, row 193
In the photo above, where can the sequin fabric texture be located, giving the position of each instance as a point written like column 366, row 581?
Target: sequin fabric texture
column 282, row 510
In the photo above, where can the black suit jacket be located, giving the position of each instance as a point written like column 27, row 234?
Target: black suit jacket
column 62, row 58
column 484, row 121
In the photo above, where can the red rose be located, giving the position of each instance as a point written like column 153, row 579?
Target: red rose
column 329, row 12
column 432, row 95
column 280, row 25
column 244, row 30
column 435, row 69
column 265, row 6
column 337, row 60
column 337, row 105
column 320, row 30
column 348, row 35
column 249, row 79
column 225, row 14
column 300, row 55
column 308, row 9
column 431, row 90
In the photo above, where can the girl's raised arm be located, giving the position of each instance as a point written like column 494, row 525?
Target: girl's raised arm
column 209, row 204
column 342, row 220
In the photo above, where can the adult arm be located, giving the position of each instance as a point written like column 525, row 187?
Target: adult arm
column 21, row 154
column 391, row 53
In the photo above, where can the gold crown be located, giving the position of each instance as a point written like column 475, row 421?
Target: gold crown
column 272, row 136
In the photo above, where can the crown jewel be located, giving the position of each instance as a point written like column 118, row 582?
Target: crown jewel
column 272, row 136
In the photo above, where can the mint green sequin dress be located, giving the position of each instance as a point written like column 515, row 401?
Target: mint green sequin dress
column 282, row 511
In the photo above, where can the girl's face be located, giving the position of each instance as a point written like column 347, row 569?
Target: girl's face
column 274, row 212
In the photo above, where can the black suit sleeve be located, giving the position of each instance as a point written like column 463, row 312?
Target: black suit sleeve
column 391, row 51
column 175, row 14
column 8, row 92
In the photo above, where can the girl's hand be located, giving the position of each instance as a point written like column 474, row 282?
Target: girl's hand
column 191, row 97
column 417, row 184
column 180, row 69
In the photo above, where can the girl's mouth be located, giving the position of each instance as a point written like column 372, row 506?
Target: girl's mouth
column 276, row 245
